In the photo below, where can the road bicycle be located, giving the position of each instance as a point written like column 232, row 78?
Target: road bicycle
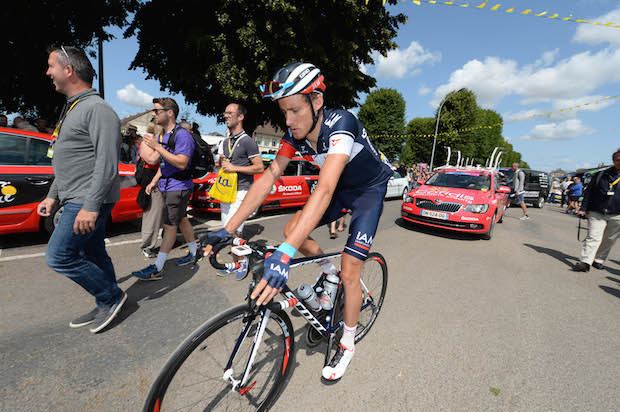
column 240, row 359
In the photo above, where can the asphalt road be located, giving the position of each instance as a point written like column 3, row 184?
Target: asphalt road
column 467, row 325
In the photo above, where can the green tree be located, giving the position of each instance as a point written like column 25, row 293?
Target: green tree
column 463, row 126
column 29, row 27
column 419, row 141
column 383, row 116
column 223, row 50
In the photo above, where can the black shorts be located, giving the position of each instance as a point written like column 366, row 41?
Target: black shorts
column 366, row 205
column 175, row 206
column 574, row 198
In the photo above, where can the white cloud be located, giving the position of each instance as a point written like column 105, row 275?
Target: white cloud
column 423, row 91
column 133, row 96
column 398, row 63
column 566, row 130
column 590, row 34
column 494, row 78
column 547, row 58
column 491, row 80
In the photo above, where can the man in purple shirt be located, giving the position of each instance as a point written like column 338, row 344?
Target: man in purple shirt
column 175, row 148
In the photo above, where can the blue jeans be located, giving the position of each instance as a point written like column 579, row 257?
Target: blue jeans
column 83, row 258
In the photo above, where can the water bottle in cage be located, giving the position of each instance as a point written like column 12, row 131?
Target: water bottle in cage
column 307, row 294
column 330, row 288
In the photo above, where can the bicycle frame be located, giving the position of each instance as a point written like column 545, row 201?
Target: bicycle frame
column 327, row 328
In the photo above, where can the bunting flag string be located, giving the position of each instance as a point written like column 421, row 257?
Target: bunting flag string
column 498, row 7
column 499, row 124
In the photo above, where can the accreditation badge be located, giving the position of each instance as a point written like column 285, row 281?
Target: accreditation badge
column 50, row 149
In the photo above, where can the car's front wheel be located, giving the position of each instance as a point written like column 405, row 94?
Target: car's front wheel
column 540, row 203
column 489, row 234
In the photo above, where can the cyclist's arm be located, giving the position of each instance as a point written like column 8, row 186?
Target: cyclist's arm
column 319, row 200
column 257, row 193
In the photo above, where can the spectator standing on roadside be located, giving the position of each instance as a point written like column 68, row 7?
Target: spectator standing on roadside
column 152, row 217
column 239, row 154
column 601, row 204
column 134, row 143
column 564, row 187
column 575, row 191
column 85, row 155
column 16, row 121
column 175, row 148
column 4, row 121
column 519, row 189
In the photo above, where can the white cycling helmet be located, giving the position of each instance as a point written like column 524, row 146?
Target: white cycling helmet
column 294, row 78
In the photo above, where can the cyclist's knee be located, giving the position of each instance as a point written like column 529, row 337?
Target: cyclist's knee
column 351, row 270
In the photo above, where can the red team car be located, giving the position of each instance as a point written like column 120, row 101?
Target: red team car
column 463, row 199
column 292, row 189
column 26, row 174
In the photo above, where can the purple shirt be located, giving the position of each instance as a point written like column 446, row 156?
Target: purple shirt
column 183, row 144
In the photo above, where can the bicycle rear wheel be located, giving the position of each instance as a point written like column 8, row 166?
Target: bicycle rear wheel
column 374, row 280
column 193, row 378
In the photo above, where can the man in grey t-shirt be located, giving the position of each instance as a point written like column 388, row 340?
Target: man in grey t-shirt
column 519, row 189
column 85, row 155
column 238, row 153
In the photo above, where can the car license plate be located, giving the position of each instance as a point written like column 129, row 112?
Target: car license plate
column 436, row 215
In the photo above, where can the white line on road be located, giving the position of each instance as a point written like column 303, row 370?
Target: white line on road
column 211, row 224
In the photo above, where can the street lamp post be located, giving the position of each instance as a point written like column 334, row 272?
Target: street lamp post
column 437, row 128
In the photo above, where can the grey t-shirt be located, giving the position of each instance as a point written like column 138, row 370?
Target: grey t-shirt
column 244, row 148
column 86, row 154
column 519, row 181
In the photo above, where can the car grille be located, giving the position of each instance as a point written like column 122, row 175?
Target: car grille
column 444, row 223
column 442, row 207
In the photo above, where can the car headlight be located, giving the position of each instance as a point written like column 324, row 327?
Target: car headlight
column 408, row 199
column 476, row 208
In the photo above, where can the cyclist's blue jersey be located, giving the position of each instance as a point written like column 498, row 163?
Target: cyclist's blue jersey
column 342, row 133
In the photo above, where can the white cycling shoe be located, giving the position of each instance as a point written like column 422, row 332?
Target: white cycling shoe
column 338, row 365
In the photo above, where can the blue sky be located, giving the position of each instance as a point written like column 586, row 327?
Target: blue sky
column 516, row 65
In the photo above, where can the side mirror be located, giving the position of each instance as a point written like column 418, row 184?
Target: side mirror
column 504, row 189
column 420, row 182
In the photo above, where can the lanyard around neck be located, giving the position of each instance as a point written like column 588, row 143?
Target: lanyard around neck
column 62, row 119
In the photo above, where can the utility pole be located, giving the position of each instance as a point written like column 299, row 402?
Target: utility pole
column 100, row 59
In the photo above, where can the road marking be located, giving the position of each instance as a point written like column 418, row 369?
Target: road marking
column 211, row 224
column 20, row 257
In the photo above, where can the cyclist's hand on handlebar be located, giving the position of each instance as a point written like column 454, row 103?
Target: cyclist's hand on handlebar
column 275, row 277
column 213, row 238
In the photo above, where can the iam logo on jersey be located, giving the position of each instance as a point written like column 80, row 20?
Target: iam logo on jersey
column 363, row 240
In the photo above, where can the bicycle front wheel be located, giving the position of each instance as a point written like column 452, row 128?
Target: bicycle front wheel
column 197, row 376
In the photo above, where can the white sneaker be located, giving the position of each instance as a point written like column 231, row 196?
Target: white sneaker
column 338, row 365
column 524, row 217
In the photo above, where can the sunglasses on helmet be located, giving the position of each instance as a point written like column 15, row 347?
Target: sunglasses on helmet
column 272, row 88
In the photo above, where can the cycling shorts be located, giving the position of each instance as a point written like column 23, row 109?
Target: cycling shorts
column 366, row 206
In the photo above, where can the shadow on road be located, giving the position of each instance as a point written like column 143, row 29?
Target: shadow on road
column 568, row 260
column 613, row 279
column 436, row 232
column 611, row 291
column 174, row 276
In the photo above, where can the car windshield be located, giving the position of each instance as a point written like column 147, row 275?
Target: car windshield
column 460, row 181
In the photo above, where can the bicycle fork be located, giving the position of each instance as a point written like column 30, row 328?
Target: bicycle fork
column 239, row 385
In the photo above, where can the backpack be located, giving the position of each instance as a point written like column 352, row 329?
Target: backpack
column 201, row 162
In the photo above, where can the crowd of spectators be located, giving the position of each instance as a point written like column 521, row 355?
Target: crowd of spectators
column 19, row 122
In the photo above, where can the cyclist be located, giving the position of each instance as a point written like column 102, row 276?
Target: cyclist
column 353, row 176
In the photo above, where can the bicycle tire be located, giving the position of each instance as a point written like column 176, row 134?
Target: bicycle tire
column 279, row 327
column 374, row 258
